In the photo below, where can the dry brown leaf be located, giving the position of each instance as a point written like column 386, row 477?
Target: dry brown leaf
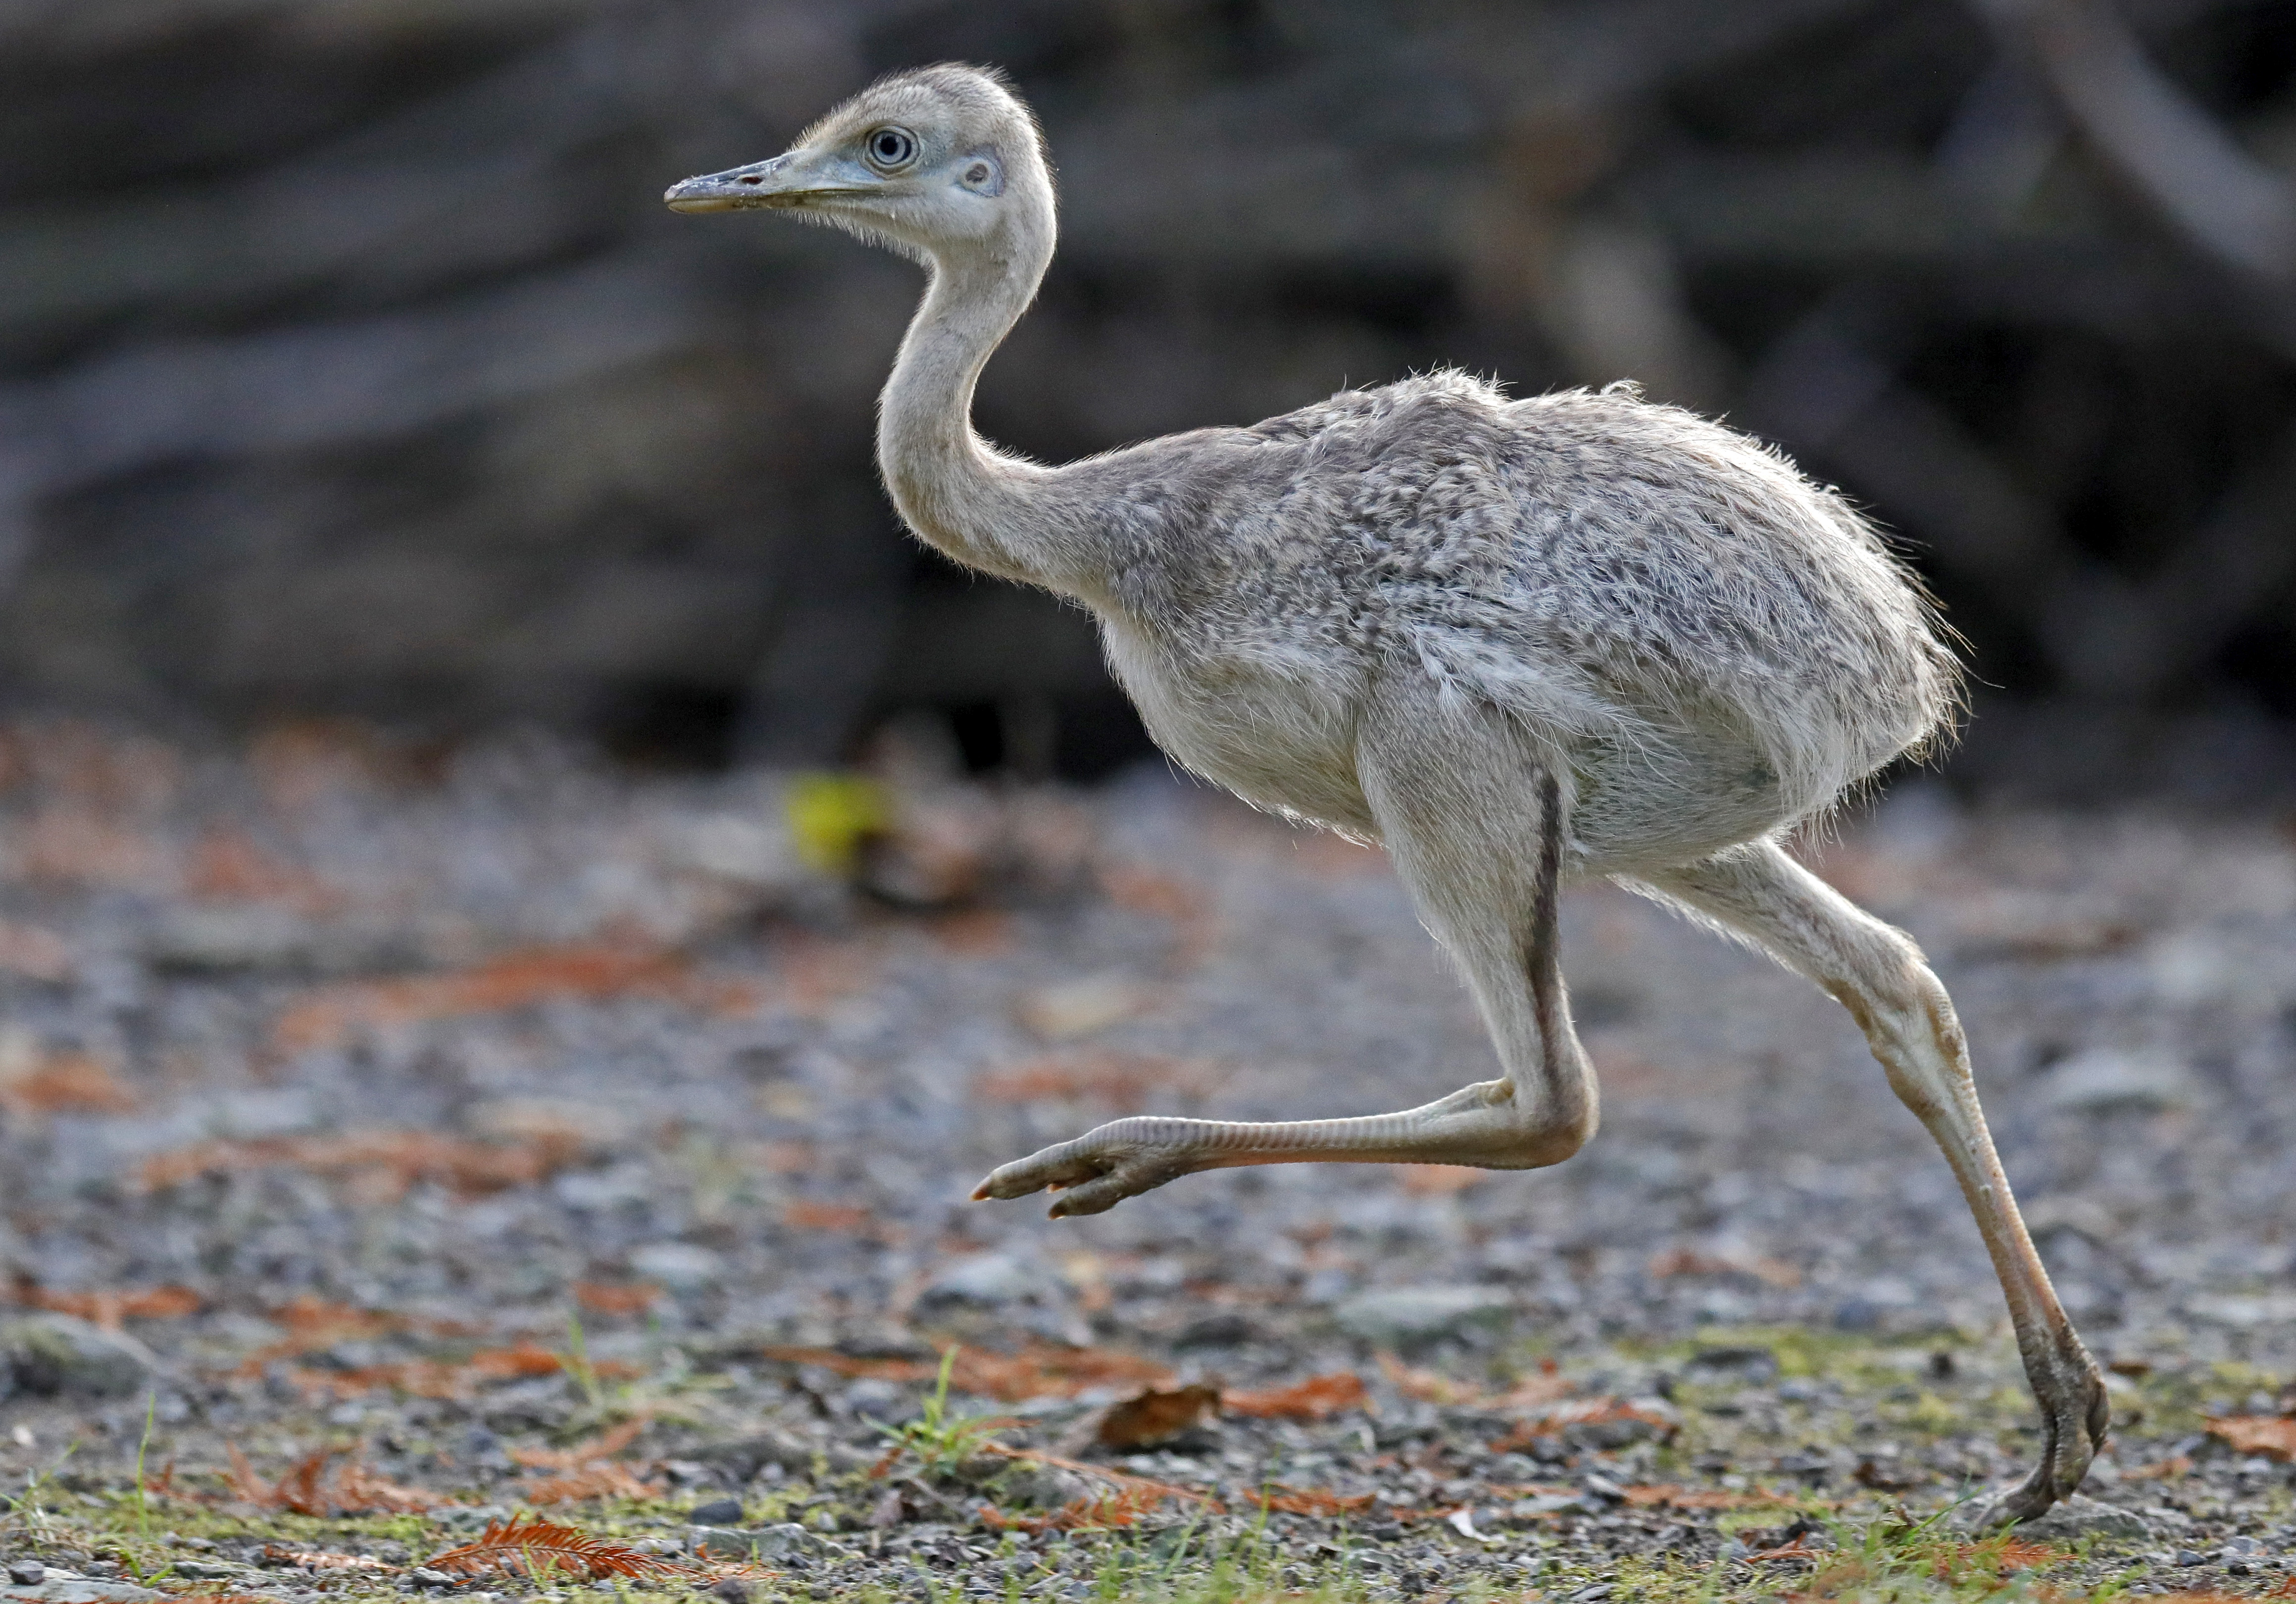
column 590, row 1482
column 1437, row 1180
column 1582, row 1411
column 1122, row 1480
column 228, row 867
column 2175, row 1465
column 1151, row 1417
column 1689, row 1261
column 2271, row 1435
column 600, row 1298
column 32, row 952
column 319, row 1560
column 1663, row 1496
column 1426, row 1386
column 1106, row 1511
column 541, row 1549
column 64, row 1082
column 449, row 1379
column 2021, row 1553
column 1124, row 1081
column 1312, row 1501
column 66, row 844
column 1038, row 1370
column 1317, row 1398
column 1161, row 896
column 329, row 1016
column 814, row 973
column 850, row 1219
column 380, row 1165
column 305, row 1489
column 973, row 932
column 574, row 1457
column 109, row 1309
column 1535, row 1392
column 361, row 1490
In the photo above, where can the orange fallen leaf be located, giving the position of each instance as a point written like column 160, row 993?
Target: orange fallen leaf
column 1183, row 906
column 1317, row 1398
column 305, row 1489
column 1796, row 1549
column 1038, row 1370
column 541, row 1549
column 1438, row 1180
column 1312, row 1501
column 602, row 1447
column 599, row 1298
column 329, row 1016
column 1105, row 1511
column 1582, row 1411
column 1124, row 1081
column 65, row 844
column 1425, row 1386
column 1122, row 1480
column 973, row 932
column 229, row 867
column 449, row 1379
column 2271, row 1435
column 845, row 1218
column 1152, row 1416
column 1662, row 1496
column 319, row 1560
column 109, row 1309
column 30, row 950
column 380, row 1165
column 590, row 1482
column 64, row 1083
column 1689, row 1261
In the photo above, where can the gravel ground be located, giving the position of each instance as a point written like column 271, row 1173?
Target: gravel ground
column 539, row 1136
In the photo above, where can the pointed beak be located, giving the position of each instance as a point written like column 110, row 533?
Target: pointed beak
column 787, row 180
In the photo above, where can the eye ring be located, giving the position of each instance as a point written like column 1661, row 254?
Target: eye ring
column 890, row 148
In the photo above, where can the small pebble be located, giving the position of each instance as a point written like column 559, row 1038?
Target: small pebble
column 27, row 1572
column 717, row 1512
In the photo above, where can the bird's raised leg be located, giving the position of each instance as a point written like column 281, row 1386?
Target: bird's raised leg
column 1879, row 974
column 1476, row 832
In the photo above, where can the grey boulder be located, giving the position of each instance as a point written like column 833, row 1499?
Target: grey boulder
column 1417, row 1316
column 54, row 1355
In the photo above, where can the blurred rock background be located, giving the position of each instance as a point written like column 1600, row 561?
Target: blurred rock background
column 349, row 363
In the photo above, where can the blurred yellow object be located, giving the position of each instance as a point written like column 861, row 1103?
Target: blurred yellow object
column 830, row 815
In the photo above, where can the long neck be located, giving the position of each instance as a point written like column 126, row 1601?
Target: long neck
column 983, row 507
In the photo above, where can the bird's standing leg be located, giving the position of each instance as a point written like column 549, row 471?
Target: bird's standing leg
column 1878, row 974
column 1476, row 831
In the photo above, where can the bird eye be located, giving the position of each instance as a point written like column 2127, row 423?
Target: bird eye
column 890, row 148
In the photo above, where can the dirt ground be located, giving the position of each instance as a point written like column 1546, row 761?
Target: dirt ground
column 399, row 1142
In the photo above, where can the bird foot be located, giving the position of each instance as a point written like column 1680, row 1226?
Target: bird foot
column 2074, row 1428
column 1100, row 1168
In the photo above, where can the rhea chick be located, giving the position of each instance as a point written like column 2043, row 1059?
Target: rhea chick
column 1519, row 642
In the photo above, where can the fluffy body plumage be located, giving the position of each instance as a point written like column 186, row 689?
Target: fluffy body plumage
column 1514, row 640
column 1707, row 646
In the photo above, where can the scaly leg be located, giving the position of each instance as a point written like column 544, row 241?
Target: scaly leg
column 1878, row 974
column 1476, row 828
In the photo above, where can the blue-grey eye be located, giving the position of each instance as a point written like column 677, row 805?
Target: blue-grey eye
column 889, row 147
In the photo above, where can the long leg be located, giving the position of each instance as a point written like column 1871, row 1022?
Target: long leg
column 1879, row 974
column 1476, row 828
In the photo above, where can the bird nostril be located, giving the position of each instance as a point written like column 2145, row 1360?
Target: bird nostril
column 752, row 178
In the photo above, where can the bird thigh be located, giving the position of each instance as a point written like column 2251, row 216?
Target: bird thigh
column 1477, row 826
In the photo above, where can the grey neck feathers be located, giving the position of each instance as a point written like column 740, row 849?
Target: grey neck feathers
column 986, row 508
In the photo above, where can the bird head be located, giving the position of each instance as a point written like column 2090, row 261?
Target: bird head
column 934, row 160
